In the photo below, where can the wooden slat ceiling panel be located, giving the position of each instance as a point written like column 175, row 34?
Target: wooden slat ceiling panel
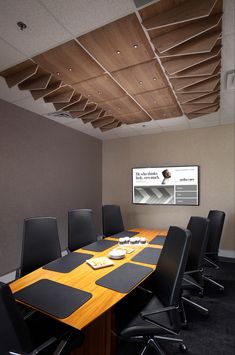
column 156, row 98
column 100, row 89
column 136, row 117
column 120, row 106
column 69, row 62
column 113, row 45
column 141, row 77
column 111, row 76
column 177, row 37
column 187, row 38
column 183, row 12
column 165, row 112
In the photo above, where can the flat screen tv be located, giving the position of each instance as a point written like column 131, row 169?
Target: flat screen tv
column 166, row 185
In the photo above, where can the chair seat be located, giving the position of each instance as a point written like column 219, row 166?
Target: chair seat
column 136, row 325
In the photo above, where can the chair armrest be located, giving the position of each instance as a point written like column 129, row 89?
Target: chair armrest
column 165, row 309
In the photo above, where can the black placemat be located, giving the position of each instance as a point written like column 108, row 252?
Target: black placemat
column 159, row 239
column 148, row 256
column 100, row 245
column 124, row 234
column 68, row 262
column 53, row 298
column 125, row 277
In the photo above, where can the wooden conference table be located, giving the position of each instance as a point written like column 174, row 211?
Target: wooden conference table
column 94, row 317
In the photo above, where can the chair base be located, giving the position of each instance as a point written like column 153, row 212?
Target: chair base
column 152, row 342
column 221, row 287
column 201, row 309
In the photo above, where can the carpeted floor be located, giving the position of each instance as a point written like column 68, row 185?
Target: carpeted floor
column 212, row 335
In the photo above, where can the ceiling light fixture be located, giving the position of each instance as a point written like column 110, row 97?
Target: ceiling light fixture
column 99, row 92
column 154, row 79
column 58, row 73
column 140, row 82
column 118, row 52
column 135, row 46
column 70, row 69
column 22, row 26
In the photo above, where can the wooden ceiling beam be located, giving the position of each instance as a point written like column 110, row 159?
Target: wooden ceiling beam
column 75, row 98
column 63, row 94
column 78, row 106
column 187, row 11
column 53, row 85
column 184, row 34
column 16, row 77
column 37, row 81
column 100, row 122
column 179, row 64
column 191, row 107
column 89, row 118
column 90, row 107
column 109, row 126
column 206, row 68
column 197, row 97
column 180, row 84
column 205, row 86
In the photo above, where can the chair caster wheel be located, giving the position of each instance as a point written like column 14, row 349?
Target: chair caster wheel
column 183, row 347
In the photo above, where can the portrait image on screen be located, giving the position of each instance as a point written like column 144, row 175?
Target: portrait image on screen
column 172, row 185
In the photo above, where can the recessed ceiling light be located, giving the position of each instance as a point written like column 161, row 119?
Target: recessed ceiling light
column 99, row 92
column 140, row 82
column 135, row 46
column 154, row 79
column 58, row 73
column 118, row 52
column 70, row 69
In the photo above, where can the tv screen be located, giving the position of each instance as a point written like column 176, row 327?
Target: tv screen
column 167, row 185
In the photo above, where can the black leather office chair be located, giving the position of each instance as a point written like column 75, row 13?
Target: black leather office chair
column 193, row 276
column 215, row 232
column 112, row 220
column 40, row 244
column 81, row 229
column 153, row 316
column 36, row 334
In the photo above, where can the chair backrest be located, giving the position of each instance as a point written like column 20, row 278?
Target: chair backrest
column 81, row 229
column 198, row 227
column 215, row 230
column 14, row 333
column 112, row 220
column 171, row 266
column 40, row 243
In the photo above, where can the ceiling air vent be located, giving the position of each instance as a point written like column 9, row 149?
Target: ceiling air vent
column 59, row 115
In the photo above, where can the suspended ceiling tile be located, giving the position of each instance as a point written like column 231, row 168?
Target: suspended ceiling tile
column 13, row 94
column 100, row 89
column 136, row 117
column 183, row 12
column 9, row 55
column 228, row 18
column 165, row 112
column 114, row 45
column 184, row 34
column 69, row 62
column 42, row 31
column 81, row 20
column 205, row 121
column 156, row 98
column 39, row 106
column 120, row 106
column 141, row 77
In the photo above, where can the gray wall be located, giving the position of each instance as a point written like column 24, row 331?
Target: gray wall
column 45, row 169
column 210, row 148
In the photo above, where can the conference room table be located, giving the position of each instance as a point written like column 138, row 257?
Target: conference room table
column 95, row 316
